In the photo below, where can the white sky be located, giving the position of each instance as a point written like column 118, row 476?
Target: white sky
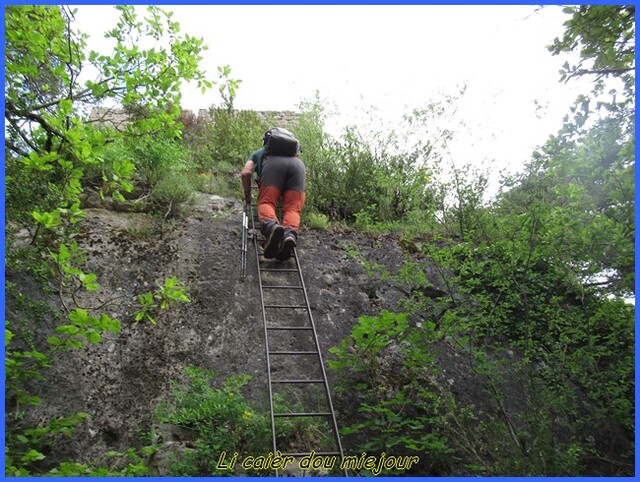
column 392, row 58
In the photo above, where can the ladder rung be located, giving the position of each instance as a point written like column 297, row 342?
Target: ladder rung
column 305, row 454
column 286, row 306
column 297, row 381
column 292, row 287
column 278, row 270
column 289, row 328
column 293, row 353
column 261, row 254
column 303, row 414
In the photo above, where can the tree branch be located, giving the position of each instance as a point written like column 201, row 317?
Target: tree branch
column 11, row 146
column 21, row 134
column 597, row 283
column 12, row 109
column 612, row 71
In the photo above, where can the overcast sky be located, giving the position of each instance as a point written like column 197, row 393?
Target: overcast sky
column 390, row 57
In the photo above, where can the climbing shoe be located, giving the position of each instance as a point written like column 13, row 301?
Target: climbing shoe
column 273, row 241
column 287, row 247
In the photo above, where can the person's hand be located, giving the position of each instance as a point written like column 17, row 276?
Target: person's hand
column 247, row 205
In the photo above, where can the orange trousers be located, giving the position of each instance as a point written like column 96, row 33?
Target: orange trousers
column 282, row 177
column 292, row 204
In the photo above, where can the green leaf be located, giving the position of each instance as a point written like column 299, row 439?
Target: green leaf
column 47, row 219
column 89, row 281
column 32, row 456
column 68, row 329
column 65, row 106
column 74, row 343
column 106, row 323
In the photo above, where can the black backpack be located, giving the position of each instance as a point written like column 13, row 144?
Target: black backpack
column 280, row 142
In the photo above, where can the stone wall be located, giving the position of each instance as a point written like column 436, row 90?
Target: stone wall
column 110, row 117
column 281, row 118
column 117, row 118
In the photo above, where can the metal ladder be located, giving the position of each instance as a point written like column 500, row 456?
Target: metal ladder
column 275, row 278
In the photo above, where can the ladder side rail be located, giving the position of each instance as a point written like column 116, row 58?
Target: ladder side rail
column 266, row 338
column 245, row 242
column 324, row 373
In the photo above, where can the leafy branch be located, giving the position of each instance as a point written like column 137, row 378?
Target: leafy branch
column 169, row 293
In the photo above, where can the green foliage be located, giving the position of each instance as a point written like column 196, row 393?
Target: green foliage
column 220, row 146
column 595, row 151
column 219, row 417
column 157, row 159
column 578, row 198
column 315, row 221
column 390, row 364
column 52, row 154
column 165, row 296
column 512, row 290
column 234, row 136
column 25, row 449
column 559, row 322
column 228, row 87
column 66, row 261
column 314, row 141
column 605, row 37
column 520, row 289
column 221, row 420
column 49, row 147
column 371, row 180
column 460, row 200
column 171, row 193
column 375, row 179
column 529, row 334
column 120, row 169
column 156, row 168
column 300, row 433
column 22, row 366
column 83, row 326
column 134, row 466
column 150, row 78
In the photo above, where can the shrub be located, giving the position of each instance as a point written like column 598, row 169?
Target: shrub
column 221, row 420
column 220, row 417
column 385, row 175
column 157, row 158
column 316, row 221
column 219, row 146
column 553, row 358
column 172, row 191
column 387, row 365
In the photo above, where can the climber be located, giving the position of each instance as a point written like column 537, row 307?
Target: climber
column 280, row 174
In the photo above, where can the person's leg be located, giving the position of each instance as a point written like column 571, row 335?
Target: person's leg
column 293, row 202
column 272, row 183
column 268, row 197
column 293, row 193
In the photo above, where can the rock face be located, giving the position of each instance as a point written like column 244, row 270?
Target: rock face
column 120, row 381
